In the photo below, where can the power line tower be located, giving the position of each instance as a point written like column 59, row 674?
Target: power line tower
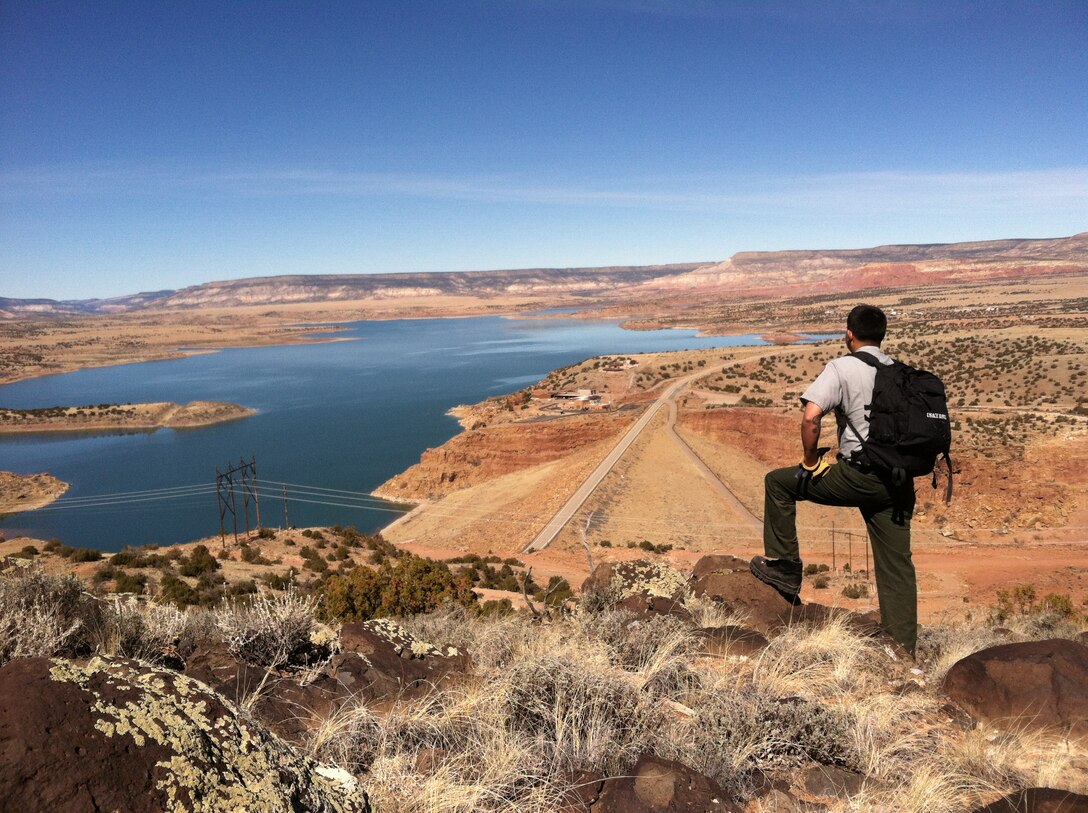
column 245, row 475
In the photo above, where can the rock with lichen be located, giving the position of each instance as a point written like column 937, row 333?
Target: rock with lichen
column 382, row 659
column 118, row 734
column 619, row 581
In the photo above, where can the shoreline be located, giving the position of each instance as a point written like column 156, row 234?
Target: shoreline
column 121, row 418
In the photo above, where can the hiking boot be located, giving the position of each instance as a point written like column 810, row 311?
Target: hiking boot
column 781, row 574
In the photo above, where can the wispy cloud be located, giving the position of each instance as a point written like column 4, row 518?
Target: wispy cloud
column 881, row 192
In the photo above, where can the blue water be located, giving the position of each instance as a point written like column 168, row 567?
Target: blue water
column 343, row 415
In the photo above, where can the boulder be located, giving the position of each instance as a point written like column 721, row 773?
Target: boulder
column 283, row 704
column 644, row 605
column 584, row 789
column 657, row 785
column 621, row 580
column 1038, row 800
column 730, row 641
column 1035, row 684
column 118, row 734
column 381, row 659
column 727, row 579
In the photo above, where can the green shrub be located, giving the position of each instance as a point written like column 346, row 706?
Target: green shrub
column 253, row 556
column 200, row 561
column 129, row 582
column 856, row 590
column 557, row 591
column 404, row 587
column 176, row 591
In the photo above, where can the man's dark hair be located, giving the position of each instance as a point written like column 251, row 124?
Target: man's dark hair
column 868, row 323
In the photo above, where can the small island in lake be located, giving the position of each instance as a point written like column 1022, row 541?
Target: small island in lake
column 109, row 417
column 25, row 492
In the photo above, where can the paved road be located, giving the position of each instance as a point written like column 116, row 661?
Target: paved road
column 556, row 524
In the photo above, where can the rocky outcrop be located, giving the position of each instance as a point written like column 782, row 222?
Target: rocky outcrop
column 381, row 659
column 617, row 581
column 1034, row 684
column 117, row 734
column 281, row 702
column 727, row 580
column 479, row 455
column 657, row 785
column 1039, row 800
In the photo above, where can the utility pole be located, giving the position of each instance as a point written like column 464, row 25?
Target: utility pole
column 286, row 520
column 834, row 567
column 256, row 491
column 244, row 469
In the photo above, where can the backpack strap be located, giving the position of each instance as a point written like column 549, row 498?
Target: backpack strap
column 868, row 358
column 948, row 488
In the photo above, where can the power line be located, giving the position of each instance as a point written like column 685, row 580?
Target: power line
column 359, row 500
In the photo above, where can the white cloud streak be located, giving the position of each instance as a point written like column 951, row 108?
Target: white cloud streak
column 851, row 193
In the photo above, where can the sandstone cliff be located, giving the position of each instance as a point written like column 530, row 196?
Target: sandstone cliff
column 479, row 455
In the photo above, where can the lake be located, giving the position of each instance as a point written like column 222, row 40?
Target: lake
column 335, row 421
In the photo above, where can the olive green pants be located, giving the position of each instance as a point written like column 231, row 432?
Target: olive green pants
column 896, row 586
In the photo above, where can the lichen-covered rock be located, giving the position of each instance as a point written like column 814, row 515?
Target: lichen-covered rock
column 657, row 785
column 1034, row 684
column 382, row 659
column 621, row 580
column 116, row 734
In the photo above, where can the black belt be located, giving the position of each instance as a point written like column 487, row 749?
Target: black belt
column 854, row 463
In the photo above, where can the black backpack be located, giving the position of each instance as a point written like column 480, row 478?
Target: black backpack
column 909, row 427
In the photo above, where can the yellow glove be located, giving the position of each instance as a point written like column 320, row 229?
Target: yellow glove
column 807, row 474
column 819, row 469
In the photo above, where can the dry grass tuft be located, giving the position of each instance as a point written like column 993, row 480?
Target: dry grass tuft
column 818, row 661
column 593, row 691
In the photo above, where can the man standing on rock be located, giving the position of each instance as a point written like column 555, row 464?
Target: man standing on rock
column 845, row 386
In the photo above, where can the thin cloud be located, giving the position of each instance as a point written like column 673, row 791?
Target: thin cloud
column 889, row 192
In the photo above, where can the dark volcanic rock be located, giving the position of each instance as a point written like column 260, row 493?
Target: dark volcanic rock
column 1036, row 684
column 1039, row 800
column 662, row 786
column 282, row 704
column 117, row 734
column 728, row 580
column 645, row 605
column 381, row 659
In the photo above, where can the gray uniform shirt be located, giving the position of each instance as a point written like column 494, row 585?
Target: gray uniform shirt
column 846, row 386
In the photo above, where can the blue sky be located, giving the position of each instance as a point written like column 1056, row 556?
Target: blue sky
column 153, row 144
